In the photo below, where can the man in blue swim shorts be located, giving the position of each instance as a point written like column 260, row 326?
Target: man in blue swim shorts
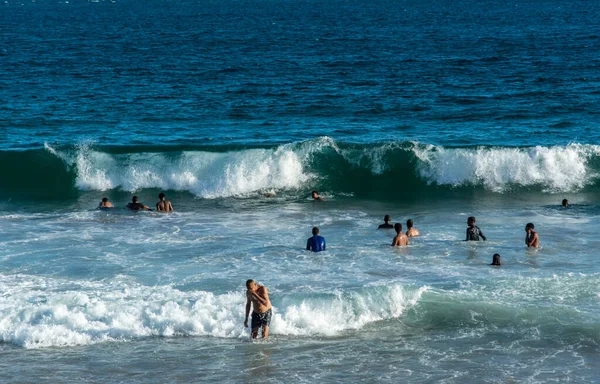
column 258, row 297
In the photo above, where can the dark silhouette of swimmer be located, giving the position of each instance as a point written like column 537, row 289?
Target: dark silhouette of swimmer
column 496, row 260
column 386, row 224
column 315, row 196
column 473, row 232
column 135, row 205
column 105, row 204
column 565, row 203
column 315, row 243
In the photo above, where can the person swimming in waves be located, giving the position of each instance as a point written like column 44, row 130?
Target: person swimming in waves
column 257, row 297
column 105, row 204
column 163, row 205
column 401, row 239
column 473, row 231
column 531, row 239
column 316, row 197
column 315, row 243
column 496, row 260
column 135, row 205
column 411, row 231
column 565, row 203
column 386, row 223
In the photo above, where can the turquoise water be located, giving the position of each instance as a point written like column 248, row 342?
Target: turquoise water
column 434, row 111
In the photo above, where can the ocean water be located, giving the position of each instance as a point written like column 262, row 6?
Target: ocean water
column 430, row 110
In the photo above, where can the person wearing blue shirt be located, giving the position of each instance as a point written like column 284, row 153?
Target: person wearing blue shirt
column 315, row 243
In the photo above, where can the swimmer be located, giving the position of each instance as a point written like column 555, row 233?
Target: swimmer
column 104, row 204
column 565, row 203
column 386, row 224
column 315, row 243
column 258, row 297
column 473, row 232
column 135, row 205
column 269, row 195
column 496, row 260
column 315, row 196
column 401, row 239
column 531, row 239
column 412, row 231
column 163, row 205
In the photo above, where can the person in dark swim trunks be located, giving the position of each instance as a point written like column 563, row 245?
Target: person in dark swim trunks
column 135, row 205
column 315, row 243
column 257, row 297
column 386, row 223
column 473, row 232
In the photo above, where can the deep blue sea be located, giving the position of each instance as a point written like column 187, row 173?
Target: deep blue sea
column 431, row 110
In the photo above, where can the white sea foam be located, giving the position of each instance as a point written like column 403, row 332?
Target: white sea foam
column 40, row 312
column 556, row 169
column 292, row 167
column 206, row 174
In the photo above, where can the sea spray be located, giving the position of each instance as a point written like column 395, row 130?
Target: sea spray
column 383, row 170
column 38, row 312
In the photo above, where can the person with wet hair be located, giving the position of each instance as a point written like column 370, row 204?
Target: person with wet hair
column 473, row 231
column 496, row 260
column 257, row 298
column 163, row 205
column 411, row 230
column 315, row 196
column 105, row 204
column 565, row 203
column 315, row 243
column 401, row 239
column 135, row 205
column 531, row 238
column 386, row 223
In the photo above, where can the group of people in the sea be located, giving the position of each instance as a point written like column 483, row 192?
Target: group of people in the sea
column 163, row 204
column 257, row 296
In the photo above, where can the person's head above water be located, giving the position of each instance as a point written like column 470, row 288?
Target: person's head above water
column 471, row 221
column 565, row 203
column 105, row 199
column 135, row 199
column 250, row 284
column 496, row 260
column 529, row 227
column 315, row 194
column 398, row 227
column 161, row 195
column 409, row 223
column 315, row 231
column 387, row 218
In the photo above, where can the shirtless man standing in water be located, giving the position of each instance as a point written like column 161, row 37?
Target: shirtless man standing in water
column 401, row 239
column 258, row 297
column 164, row 205
column 531, row 239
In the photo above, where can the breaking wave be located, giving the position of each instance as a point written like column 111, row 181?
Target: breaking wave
column 380, row 170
